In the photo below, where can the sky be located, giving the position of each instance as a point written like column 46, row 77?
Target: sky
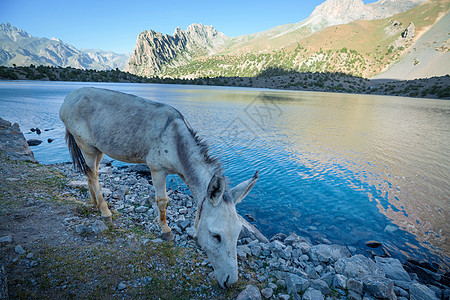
column 114, row 25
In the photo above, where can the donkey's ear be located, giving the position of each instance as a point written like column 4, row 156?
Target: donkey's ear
column 215, row 190
column 239, row 192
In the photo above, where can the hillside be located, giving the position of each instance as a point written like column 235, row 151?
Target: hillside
column 428, row 56
column 17, row 47
column 361, row 48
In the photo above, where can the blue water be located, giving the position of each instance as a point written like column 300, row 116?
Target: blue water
column 341, row 167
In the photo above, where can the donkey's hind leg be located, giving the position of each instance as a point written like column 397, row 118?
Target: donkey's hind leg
column 159, row 182
column 93, row 159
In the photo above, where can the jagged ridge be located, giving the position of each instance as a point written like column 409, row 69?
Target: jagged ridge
column 17, row 47
column 154, row 51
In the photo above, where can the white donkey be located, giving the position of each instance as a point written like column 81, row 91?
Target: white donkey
column 135, row 130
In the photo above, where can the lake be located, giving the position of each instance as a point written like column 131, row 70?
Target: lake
column 339, row 167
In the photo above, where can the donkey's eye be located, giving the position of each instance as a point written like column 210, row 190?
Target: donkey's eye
column 217, row 237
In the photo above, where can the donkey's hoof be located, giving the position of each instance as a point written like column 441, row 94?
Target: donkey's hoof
column 167, row 236
column 107, row 220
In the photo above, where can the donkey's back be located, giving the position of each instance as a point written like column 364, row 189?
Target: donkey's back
column 123, row 126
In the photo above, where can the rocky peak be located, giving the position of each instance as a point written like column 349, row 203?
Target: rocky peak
column 13, row 33
column 154, row 50
column 335, row 12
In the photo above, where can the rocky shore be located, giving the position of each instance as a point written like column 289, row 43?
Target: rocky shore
column 284, row 267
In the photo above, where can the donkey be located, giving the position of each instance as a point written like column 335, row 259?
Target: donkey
column 135, row 130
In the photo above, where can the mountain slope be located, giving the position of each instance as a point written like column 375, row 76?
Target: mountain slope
column 428, row 57
column 19, row 48
column 155, row 51
column 248, row 55
column 362, row 48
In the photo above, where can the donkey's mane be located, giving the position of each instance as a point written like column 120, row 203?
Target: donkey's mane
column 213, row 162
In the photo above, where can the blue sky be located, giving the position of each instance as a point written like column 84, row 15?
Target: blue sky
column 114, row 25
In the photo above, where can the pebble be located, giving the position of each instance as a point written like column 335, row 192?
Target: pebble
column 122, row 286
column 99, row 227
column 19, row 250
column 6, row 239
column 267, row 292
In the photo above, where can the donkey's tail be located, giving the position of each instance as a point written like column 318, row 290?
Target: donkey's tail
column 77, row 156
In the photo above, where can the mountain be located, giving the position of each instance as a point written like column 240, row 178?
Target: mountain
column 339, row 36
column 155, row 51
column 20, row 48
column 428, row 57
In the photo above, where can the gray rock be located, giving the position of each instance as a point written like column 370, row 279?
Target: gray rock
column 246, row 249
column 313, row 294
column 241, row 254
column 34, row 142
column 419, row 291
column 437, row 291
column 255, row 249
column 141, row 209
column 277, row 246
column 328, row 253
column 99, row 226
column 157, row 241
column 184, row 224
column 122, row 286
column 311, row 271
column 358, row 266
column 250, row 293
column 250, row 231
column 13, row 143
column 355, row 285
column 284, row 297
column 352, row 295
column 340, row 281
column 392, row 268
column 296, row 284
column 278, row 237
column 403, row 284
column 379, row 287
column 290, row 240
column 190, row 231
column 400, row 292
column 19, row 250
column 6, row 239
column 267, row 292
column 321, row 285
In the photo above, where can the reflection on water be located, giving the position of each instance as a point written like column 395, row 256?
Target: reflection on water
column 347, row 168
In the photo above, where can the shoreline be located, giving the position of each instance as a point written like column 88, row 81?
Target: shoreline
column 285, row 266
column 428, row 88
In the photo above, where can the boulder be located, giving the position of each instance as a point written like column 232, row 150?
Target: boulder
column 267, row 292
column 99, row 226
column 358, row 266
column 34, row 142
column 313, row 294
column 419, row 291
column 379, row 287
column 328, row 253
column 392, row 268
column 250, row 231
column 296, row 284
column 250, row 293
column 13, row 143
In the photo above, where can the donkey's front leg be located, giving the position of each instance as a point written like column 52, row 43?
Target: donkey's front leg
column 159, row 182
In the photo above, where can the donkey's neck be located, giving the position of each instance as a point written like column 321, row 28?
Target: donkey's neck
column 200, row 176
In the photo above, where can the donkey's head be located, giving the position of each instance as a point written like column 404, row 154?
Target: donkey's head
column 218, row 226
